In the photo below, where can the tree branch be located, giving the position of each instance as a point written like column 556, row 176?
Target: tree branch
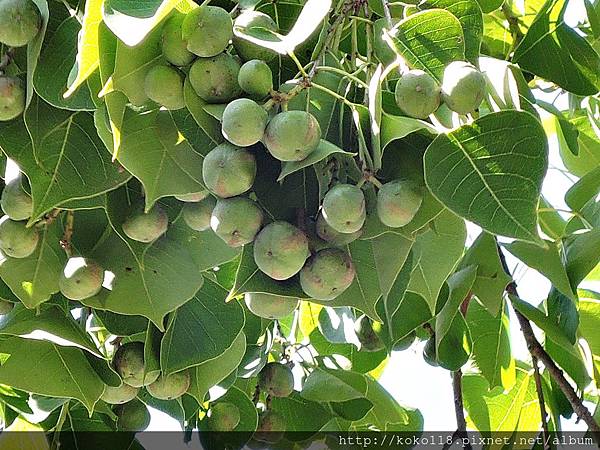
column 540, row 394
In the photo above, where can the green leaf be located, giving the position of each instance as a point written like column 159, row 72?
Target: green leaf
column 301, row 414
column 575, row 64
column 582, row 254
column 589, row 316
column 588, row 142
column 326, row 385
column 491, row 172
column 200, row 330
column 488, row 6
column 443, row 44
column 35, row 47
column 66, row 372
column 398, row 127
column 586, row 188
column 323, row 151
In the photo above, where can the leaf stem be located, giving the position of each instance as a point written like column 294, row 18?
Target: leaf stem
column 343, row 73
column 64, row 411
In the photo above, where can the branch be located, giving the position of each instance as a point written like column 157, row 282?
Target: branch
column 540, row 394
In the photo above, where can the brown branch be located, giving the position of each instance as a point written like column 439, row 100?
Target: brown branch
column 459, row 410
column 540, row 393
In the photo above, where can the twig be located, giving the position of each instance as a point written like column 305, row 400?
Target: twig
column 461, row 422
column 540, row 394
column 65, row 242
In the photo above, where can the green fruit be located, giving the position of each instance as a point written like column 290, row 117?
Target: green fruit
column 81, row 279
column 15, row 202
column 193, row 197
column 223, row 417
column 398, row 202
column 146, row 227
column 244, row 24
column 244, row 122
column 430, row 352
column 197, row 215
column 12, row 98
column 171, row 386
column 20, row 22
column 164, row 85
column 269, row 306
column 405, row 342
column 344, row 208
column 174, row 46
column 208, row 30
column 292, row 135
column 132, row 416
column 229, row 170
column 16, row 240
column 128, row 361
column 255, row 78
column 327, row 274
column 6, row 307
column 276, row 380
column 215, row 79
column 334, row 237
column 119, row 395
column 367, row 337
column 271, row 427
column 280, row 250
column 463, row 87
column 418, row 94
column 236, row 220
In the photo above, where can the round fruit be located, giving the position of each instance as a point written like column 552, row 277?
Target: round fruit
column 174, row 47
column 215, row 79
column 164, row 85
column 16, row 240
column 280, row 250
column 292, row 135
column 20, row 22
column 276, row 380
column 244, row 23
column 463, row 87
column 367, row 337
column 344, row 208
column 193, row 197
column 334, row 237
column 170, row 387
column 255, row 78
column 418, row 94
column 398, row 202
column 229, row 170
column 430, row 352
column 119, row 395
column 6, row 307
column 405, row 342
column 81, row 279
column 146, row 227
column 271, row 427
column 15, row 202
column 236, row 220
column 269, row 306
column 128, row 361
column 197, row 215
column 223, row 417
column 208, row 30
column 12, row 98
column 244, row 122
column 132, row 416
column 327, row 274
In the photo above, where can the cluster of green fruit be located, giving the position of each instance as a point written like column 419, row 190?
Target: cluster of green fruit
column 20, row 22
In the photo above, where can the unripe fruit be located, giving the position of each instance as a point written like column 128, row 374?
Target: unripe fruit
column 367, row 337
column 327, row 274
column 164, row 85
column 215, row 80
column 193, row 198
column 236, row 220
column 244, row 122
column 334, row 237
column 269, row 306
column 244, row 23
column 271, row 427
column 6, row 307
column 146, row 227
column 292, row 135
column 174, row 47
column 197, row 215
column 132, row 416
column 276, row 380
column 20, row 22
column 398, row 202
column 344, row 208
column 417, row 94
column 12, row 98
column 223, row 417
column 280, row 250
column 208, row 30
column 119, row 395
column 15, row 202
column 430, row 352
column 229, row 170
column 171, row 386
column 463, row 87
column 255, row 78
column 81, row 279
column 128, row 361
column 16, row 240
